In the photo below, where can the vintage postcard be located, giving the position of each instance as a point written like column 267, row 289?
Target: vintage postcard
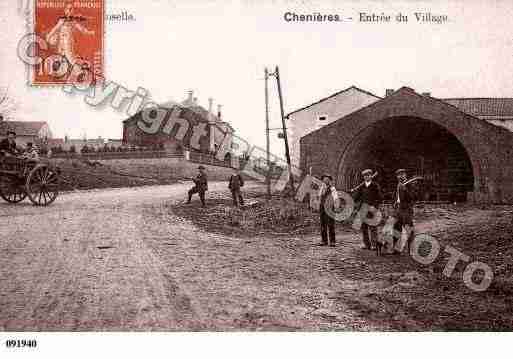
column 71, row 34
column 281, row 166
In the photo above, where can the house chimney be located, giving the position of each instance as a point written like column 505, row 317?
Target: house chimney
column 426, row 94
column 211, row 121
column 210, row 104
column 388, row 92
column 190, row 96
column 219, row 111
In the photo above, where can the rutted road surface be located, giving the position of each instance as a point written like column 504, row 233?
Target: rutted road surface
column 85, row 263
column 119, row 259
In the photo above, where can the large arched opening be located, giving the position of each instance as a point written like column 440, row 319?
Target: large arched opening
column 421, row 146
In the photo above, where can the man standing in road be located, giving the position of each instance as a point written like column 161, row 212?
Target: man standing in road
column 234, row 184
column 403, row 205
column 328, row 203
column 200, row 185
column 369, row 195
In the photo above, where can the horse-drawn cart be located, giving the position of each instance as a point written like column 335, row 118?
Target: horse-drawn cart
column 20, row 178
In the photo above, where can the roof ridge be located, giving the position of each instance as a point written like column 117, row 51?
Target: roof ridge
column 410, row 91
column 23, row 127
column 333, row 95
column 477, row 98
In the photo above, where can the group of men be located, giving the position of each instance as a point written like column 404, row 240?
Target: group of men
column 235, row 184
column 369, row 198
column 367, row 195
column 9, row 148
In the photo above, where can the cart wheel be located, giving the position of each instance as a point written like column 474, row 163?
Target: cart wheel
column 12, row 191
column 42, row 185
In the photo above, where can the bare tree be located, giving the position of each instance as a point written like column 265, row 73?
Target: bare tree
column 8, row 106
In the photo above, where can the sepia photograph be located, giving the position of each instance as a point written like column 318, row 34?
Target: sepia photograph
column 256, row 178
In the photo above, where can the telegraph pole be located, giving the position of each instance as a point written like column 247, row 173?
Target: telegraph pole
column 267, row 146
column 287, row 153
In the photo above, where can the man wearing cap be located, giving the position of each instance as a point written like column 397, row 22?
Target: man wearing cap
column 8, row 145
column 328, row 203
column 200, row 185
column 369, row 195
column 403, row 205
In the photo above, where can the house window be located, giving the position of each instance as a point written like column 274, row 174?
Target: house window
column 321, row 121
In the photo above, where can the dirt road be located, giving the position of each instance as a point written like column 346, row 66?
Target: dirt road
column 120, row 259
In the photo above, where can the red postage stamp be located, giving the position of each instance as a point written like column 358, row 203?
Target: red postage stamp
column 72, row 41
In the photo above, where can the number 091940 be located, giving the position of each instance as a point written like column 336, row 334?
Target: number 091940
column 17, row 343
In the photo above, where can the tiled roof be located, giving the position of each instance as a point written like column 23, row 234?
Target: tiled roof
column 22, row 128
column 480, row 107
column 200, row 110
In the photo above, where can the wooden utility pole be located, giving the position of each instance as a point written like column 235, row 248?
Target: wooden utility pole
column 267, row 146
column 287, row 153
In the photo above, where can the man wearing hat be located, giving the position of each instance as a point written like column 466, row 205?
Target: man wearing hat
column 200, row 185
column 8, row 145
column 328, row 202
column 234, row 185
column 369, row 195
column 403, row 205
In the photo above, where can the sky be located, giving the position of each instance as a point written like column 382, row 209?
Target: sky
column 219, row 49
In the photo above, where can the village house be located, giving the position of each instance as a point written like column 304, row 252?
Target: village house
column 323, row 112
column 37, row 132
column 463, row 147
column 498, row 111
column 217, row 129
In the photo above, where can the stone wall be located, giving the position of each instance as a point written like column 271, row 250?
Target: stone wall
column 83, row 174
column 165, row 168
column 489, row 147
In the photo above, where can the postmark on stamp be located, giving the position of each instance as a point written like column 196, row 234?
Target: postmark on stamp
column 72, row 31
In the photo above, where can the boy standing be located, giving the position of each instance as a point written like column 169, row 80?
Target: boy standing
column 328, row 202
column 200, row 186
column 234, row 184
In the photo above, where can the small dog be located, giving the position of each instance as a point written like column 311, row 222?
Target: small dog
column 387, row 235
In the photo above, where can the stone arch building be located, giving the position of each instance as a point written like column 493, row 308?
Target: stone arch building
column 461, row 156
